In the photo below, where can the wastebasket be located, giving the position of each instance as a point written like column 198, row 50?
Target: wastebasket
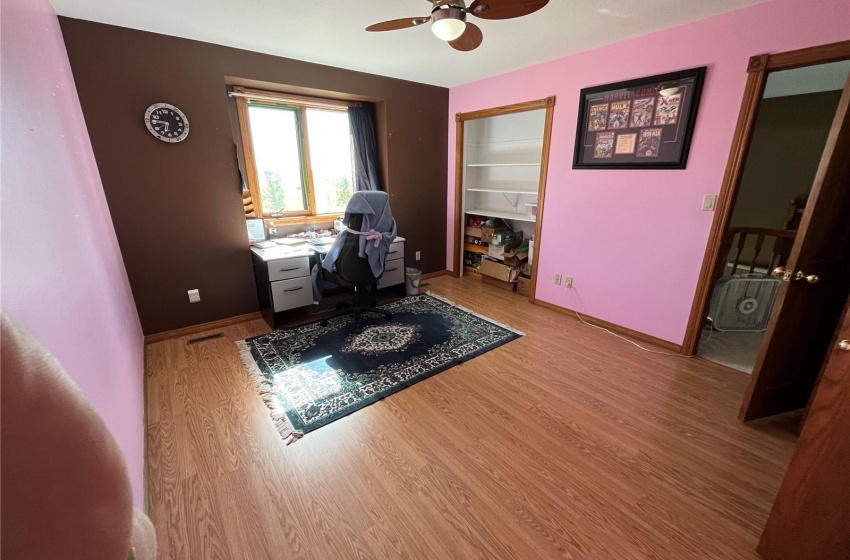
column 412, row 278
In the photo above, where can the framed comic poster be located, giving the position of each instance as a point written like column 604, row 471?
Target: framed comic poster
column 638, row 124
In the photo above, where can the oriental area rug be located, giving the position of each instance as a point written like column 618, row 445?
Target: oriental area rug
column 310, row 375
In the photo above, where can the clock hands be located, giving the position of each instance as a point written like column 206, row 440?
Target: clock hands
column 157, row 121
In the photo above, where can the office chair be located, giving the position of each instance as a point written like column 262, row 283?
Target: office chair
column 352, row 271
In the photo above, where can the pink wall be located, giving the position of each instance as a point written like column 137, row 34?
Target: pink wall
column 63, row 277
column 633, row 240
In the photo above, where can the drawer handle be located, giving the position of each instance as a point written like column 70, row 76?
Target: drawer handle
column 293, row 289
column 289, row 269
column 391, row 269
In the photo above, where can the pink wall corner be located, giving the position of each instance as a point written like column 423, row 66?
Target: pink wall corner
column 634, row 240
column 63, row 277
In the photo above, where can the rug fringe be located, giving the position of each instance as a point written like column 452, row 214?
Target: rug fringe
column 267, row 393
column 479, row 315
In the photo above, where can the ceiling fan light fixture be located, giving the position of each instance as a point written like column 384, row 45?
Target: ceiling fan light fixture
column 669, row 89
column 448, row 23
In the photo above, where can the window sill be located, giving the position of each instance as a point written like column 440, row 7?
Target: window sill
column 302, row 220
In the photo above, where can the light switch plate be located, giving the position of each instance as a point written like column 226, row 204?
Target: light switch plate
column 194, row 296
column 568, row 281
column 708, row 202
column 418, row 255
column 557, row 279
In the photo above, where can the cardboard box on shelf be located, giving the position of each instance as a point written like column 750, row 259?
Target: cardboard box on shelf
column 503, row 237
column 510, row 286
column 499, row 251
column 517, row 259
column 525, row 269
column 523, row 285
column 498, row 270
column 485, row 234
column 488, row 233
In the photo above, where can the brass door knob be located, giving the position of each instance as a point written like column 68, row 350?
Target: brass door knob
column 779, row 272
column 810, row 278
column 844, row 345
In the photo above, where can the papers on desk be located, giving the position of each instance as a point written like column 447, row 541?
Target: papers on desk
column 281, row 249
column 288, row 240
column 321, row 241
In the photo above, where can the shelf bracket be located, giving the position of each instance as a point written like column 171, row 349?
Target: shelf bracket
column 515, row 203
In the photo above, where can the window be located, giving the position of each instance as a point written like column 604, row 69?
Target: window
column 297, row 153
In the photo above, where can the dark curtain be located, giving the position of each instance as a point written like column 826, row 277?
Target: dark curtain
column 367, row 177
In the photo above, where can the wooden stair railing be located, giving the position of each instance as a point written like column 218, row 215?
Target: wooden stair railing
column 781, row 247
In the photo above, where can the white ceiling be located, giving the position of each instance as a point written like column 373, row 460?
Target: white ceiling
column 809, row 79
column 332, row 31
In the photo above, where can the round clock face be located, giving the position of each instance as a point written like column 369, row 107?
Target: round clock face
column 167, row 122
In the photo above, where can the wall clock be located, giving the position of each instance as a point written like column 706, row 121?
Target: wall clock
column 167, row 122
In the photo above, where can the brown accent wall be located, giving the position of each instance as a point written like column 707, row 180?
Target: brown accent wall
column 177, row 209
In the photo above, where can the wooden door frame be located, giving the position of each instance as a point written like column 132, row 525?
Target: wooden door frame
column 757, row 70
column 547, row 103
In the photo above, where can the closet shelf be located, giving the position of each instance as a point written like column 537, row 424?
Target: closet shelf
column 521, row 216
column 526, row 164
column 502, row 191
column 514, row 141
column 472, row 248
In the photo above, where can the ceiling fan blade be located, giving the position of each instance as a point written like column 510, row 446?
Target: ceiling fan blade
column 505, row 9
column 402, row 23
column 470, row 40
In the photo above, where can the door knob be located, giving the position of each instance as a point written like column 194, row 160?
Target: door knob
column 844, row 345
column 781, row 273
column 810, row 278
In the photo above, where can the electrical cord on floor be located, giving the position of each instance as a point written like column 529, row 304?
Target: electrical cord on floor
column 632, row 342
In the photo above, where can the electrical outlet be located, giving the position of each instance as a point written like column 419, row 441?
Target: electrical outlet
column 418, row 255
column 557, row 279
column 568, row 282
column 708, row 202
column 194, row 296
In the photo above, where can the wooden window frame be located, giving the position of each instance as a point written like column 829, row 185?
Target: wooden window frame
column 301, row 104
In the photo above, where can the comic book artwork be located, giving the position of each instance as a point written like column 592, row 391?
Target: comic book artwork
column 604, row 147
column 642, row 111
column 667, row 111
column 625, row 144
column 645, row 123
column 598, row 118
column 649, row 143
column 619, row 117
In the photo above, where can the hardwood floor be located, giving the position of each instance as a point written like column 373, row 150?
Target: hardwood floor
column 566, row 443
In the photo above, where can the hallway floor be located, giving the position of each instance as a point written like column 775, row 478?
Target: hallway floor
column 737, row 350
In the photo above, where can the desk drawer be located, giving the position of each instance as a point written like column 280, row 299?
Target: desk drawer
column 396, row 251
column 289, row 294
column 393, row 273
column 289, row 268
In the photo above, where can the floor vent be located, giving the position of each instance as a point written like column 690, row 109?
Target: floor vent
column 204, row 338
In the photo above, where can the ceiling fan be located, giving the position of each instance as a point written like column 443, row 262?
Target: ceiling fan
column 448, row 19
